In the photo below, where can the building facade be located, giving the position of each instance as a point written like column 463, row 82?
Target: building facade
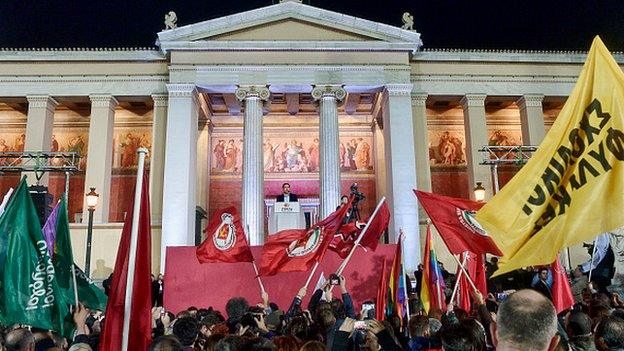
column 232, row 107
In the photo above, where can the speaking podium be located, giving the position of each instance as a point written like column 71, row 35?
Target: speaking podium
column 286, row 215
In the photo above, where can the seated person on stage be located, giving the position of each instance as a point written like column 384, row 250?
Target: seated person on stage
column 286, row 195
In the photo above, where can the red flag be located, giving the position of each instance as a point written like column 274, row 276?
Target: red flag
column 345, row 238
column 561, row 292
column 295, row 250
column 382, row 294
column 475, row 266
column 377, row 227
column 140, row 316
column 454, row 220
column 225, row 239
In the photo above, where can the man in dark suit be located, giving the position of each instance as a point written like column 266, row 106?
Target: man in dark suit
column 286, row 195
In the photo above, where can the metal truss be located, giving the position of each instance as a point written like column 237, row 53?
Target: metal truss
column 505, row 155
column 39, row 162
column 497, row 155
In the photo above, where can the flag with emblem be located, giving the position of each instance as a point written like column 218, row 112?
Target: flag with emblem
column 454, row 220
column 295, row 250
column 225, row 239
column 571, row 189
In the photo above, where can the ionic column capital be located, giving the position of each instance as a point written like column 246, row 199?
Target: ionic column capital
column 473, row 100
column 399, row 89
column 160, row 100
column 103, row 101
column 419, row 99
column 530, row 100
column 42, row 101
column 335, row 91
column 252, row 91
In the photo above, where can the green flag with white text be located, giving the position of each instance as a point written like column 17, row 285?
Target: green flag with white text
column 29, row 291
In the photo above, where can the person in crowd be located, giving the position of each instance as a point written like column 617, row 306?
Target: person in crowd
column 526, row 320
column 578, row 327
column 186, row 330
column 601, row 263
column 542, row 282
column 419, row 333
column 20, row 339
column 578, row 284
column 609, row 334
column 158, row 290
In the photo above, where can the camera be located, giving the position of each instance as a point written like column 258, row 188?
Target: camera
column 354, row 213
column 334, row 279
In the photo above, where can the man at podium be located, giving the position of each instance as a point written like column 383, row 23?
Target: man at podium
column 286, row 213
column 286, row 195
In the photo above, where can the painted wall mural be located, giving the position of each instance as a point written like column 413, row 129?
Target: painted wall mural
column 71, row 140
column 291, row 154
column 126, row 141
column 447, row 148
column 502, row 137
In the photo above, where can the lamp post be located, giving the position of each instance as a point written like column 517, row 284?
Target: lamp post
column 479, row 192
column 92, row 199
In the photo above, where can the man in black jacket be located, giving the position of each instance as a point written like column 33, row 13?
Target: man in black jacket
column 286, row 195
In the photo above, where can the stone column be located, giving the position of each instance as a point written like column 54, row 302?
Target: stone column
column 180, row 178
column 39, row 127
column 532, row 119
column 253, row 164
column 476, row 138
column 329, row 143
column 157, row 158
column 421, row 141
column 100, row 155
column 400, row 163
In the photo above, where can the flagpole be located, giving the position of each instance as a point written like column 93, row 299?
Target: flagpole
column 311, row 274
column 407, row 310
column 253, row 263
column 591, row 265
column 459, row 275
column 134, row 233
column 357, row 242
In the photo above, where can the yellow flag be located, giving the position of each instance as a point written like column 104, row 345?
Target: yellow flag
column 572, row 189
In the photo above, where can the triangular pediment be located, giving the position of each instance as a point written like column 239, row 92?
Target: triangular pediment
column 291, row 29
column 289, row 25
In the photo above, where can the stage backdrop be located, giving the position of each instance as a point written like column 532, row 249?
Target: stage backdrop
column 189, row 283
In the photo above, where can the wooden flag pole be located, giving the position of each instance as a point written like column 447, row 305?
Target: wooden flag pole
column 357, row 242
column 134, row 236
column 311, row 274
column 459, row 275
column 591, row 263
column 253, row 263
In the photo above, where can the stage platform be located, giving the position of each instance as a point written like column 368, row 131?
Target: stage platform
column 189, row 283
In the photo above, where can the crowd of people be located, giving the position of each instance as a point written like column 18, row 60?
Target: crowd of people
column 523, row 320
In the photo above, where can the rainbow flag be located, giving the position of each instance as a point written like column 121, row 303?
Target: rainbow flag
column 432, row 285
column 397, row 294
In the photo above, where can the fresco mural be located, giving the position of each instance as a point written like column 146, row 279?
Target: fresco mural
column 501, row 137
column 126, row 141
column 71, row 140
column 11, row 142
column 296, row 154
column 447, row 148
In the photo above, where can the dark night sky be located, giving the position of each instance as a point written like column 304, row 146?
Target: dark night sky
column 504, row 24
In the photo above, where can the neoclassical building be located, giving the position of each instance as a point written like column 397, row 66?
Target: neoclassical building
column 232, row 107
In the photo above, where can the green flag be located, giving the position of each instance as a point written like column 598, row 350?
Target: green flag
column 88, row 293
column 29, row 291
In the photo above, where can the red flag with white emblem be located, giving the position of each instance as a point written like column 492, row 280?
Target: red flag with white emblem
column 455, row 222
column 225, row 239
